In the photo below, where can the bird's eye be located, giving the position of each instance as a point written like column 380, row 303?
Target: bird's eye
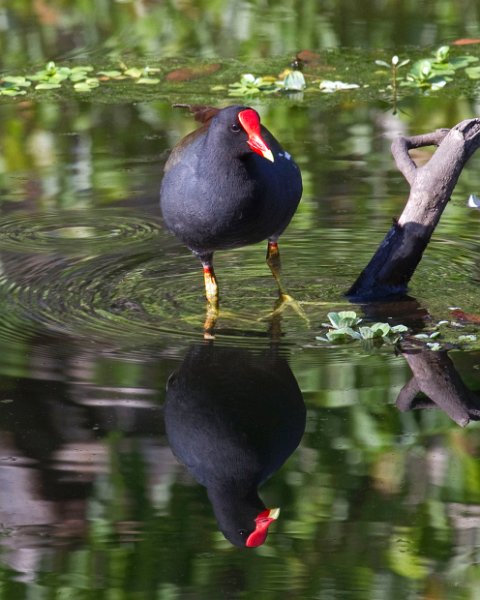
column 235, row 127
column 243, row 532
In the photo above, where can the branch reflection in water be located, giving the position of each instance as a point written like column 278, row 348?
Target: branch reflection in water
column 435, row 381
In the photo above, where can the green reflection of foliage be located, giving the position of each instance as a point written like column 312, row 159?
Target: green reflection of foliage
column 226, row 28
column 346, row 525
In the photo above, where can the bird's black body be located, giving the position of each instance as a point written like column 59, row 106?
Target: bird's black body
column 218, row 193
column 233, row 418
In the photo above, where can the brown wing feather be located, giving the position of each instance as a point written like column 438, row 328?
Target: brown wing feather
column 203, row 114
column 200, row 112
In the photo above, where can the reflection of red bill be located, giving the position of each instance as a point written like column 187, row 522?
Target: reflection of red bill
column 263, row 521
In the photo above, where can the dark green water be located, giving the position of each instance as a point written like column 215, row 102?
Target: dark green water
column 99, row 305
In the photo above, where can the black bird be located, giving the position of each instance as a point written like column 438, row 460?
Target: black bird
column 228, row 184
column 233, row 417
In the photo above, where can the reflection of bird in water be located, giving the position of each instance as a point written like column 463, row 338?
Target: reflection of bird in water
column 233, row 417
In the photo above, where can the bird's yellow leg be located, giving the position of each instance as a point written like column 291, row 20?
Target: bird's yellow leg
column 285, row 300
column 273, row 261
column 211, row 292
column 211, row 286
column 211, row 318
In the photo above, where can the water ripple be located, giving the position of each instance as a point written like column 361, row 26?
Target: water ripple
column 117, row 277
column 74, row 232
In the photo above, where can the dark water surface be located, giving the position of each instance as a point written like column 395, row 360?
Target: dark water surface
column 100, row 307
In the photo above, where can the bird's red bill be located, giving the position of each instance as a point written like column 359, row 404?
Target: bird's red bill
column 250, row 121
column 262, row 523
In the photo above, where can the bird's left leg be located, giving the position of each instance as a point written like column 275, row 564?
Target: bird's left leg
column 273, row 261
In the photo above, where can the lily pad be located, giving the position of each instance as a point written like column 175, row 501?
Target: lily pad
column 48, row 86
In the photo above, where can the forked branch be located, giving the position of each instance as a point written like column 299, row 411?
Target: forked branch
column 431, row 185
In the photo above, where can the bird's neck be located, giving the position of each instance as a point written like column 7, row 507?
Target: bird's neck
column 230, row 504
column 216, row 159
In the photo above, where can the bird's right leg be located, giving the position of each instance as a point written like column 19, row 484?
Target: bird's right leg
column 211, row 292
column 211, row 286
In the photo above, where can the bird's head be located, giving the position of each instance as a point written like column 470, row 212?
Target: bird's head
column 250, row 121
column 239, row 129
column 242, row 525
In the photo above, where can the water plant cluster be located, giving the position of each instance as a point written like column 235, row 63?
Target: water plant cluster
column 249, row 85
column 430, row 73
column 82, row 78
column 292, row 81
column 346, row 326
column 433, row 72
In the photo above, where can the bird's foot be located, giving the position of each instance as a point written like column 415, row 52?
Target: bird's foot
column 286, row 301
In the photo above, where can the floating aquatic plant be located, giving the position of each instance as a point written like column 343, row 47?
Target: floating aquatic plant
column 335, row 86
column 345, row 326
column 81, row 77
column 433, row 72
column 249, row 85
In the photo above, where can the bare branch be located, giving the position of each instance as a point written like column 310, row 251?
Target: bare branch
column 431, row 186
column 402, row 145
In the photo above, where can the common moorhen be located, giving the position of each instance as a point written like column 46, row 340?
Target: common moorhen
column 233, row 417
column 228, row 184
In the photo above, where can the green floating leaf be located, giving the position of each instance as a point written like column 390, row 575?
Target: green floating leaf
column 335, row 86
column 148, row 80
column 348, row 318
column 78, row 76
column 111, row 74
column 12, row 92
column 460, row 62
column 19, row 81
column 82, row 69
column 251, row 85
column 467, row 338
column 334, row 318
column 473, row 72
column 345, row 318
column 421, row 69
column 399, row 329
column 82, row 87
column 442, row 53
column 366, row 333
column 47, row 86
column 442, row 70
column 134, row 73
column 380, row 329
column 342, row 334
column 86, row 86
